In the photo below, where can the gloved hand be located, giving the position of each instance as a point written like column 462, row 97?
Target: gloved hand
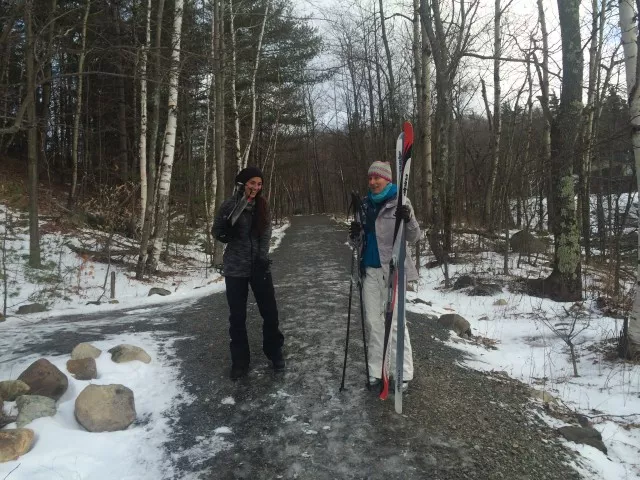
column 354, row 230
column 403, row 212
column 263, row 264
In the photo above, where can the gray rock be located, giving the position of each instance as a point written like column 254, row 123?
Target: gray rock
column 455, row 322
column 44, row 378
column 85, row 350
column 12, row 389
column 15, row 443
column 31, row 308
column 527, row 243
column 159, row 291
column 105, row 408
column 31, row 407
column 587, row 436
column 128, row 353
column 83, row 368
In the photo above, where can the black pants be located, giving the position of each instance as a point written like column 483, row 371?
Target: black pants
column 237, row 292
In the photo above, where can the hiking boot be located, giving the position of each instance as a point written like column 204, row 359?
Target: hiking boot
column 405, row 386
column 238, row 371
column 278, row 362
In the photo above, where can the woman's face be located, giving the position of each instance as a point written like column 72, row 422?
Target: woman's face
column 252, row 187
column 377, row 184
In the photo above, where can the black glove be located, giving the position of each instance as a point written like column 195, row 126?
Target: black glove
column 403, row 212
column 263, row 264
column 354, row 230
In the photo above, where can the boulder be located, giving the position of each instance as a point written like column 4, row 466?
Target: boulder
column 15, row 443
column 159, row 291
column 31, row 407
column 12, row 389
column 587, row 436
column 455, row 322
column 105, row 408
column 85, row 350
column 526, row 243
column 44, row 378
column 31, row 308
column 128, row 353
column 83, row 368
column 464, row 281
column 501, row 302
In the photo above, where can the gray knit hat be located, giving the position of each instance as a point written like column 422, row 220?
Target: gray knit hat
column 381, row 169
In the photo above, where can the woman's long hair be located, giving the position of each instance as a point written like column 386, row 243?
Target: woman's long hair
column 261, row 217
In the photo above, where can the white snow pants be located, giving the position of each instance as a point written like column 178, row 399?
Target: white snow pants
column 374, row 295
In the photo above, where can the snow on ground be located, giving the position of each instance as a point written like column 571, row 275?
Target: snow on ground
column 608, row 391
column 63, row 449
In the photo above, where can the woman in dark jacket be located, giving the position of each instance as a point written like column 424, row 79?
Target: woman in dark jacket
column 246, row 262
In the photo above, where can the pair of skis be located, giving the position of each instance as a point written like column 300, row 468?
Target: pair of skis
column 241, row 203
column 396, row 286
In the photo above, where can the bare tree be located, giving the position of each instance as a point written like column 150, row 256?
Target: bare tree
column 32, row 137
column 565, row 281
column 630, row 39
column 76, row 118
column 164, row 185
column 142, row 147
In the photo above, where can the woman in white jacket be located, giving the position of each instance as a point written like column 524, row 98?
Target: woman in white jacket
column 381, row 208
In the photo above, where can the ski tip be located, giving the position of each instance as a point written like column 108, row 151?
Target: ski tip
column 385, row 390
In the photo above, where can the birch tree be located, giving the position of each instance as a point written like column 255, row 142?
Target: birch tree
column 142, row 150
column 630, row 39
column 164, row 185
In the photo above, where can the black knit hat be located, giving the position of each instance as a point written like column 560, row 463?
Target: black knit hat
column 248, row 173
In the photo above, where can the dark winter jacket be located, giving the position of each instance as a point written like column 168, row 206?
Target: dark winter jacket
column 245, row 254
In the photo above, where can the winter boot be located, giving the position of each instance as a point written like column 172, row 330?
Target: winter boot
column 238, row 371
column 278, row 361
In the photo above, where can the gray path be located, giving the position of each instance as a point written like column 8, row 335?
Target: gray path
column 457, row 424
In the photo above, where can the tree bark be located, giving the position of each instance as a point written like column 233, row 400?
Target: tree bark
column 629, row 28
column 495, row 120
column 76, row 118
column 142, row 150
column 32, row 139
column 565, row 281
column 164, row 185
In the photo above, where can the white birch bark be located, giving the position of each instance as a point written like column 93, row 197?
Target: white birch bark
column 164, row 185
column 234, row 98
column 247, row 147
column 629, row 29
column 143, row 118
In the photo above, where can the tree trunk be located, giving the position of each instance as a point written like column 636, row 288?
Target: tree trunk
column 32, row 139
column 219, row 118
column 391, row 85
column 76, row 119
column 252, row 131
column 495, row 121
column 123, row 163
column 629, row 29
column 164, row 185
column 565, row 281
column 425, row 131
column 543, row 76
column 142, row 152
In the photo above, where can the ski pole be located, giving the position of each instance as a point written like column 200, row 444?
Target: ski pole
column 346, row 346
